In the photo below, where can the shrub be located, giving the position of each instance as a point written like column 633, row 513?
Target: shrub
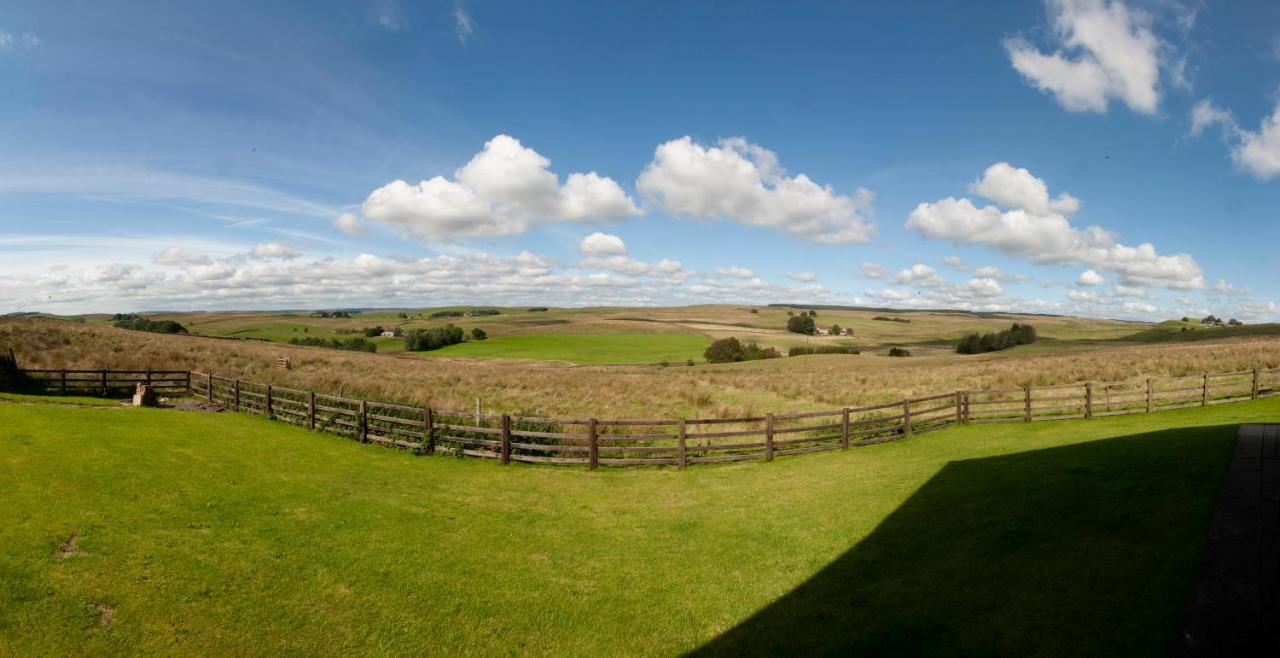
column 373, row 332
column 800, row 350
column 421, row 340
column 1018, row 334
column 538, row 309
column 725, row 350
column 885, row 318
column 802, row 324
column 478, row 334
column 753, row 352
column 357, row 344
column 756, row 311
column 899, row 351
column 446, row 314
column 688, row 362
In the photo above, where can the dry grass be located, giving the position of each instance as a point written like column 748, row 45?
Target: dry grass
column 618, row 391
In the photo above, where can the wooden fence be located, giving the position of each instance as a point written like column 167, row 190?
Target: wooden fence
column 677, row 442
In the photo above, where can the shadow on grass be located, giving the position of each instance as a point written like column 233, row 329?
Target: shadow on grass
column 1088, row 549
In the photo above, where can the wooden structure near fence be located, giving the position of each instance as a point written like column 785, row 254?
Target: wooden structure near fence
column 676, row 442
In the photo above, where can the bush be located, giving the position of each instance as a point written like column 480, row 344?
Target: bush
column 753, row 352
column 1018, row 334
column 800, row 350
column 538, row 309
column 446, row 314
column 478, row 334
column 802, row 324
column 725, row 350
column 422, row 340
column 899, row 351
column 357, row 344
column 885, row 318
column 372, row 332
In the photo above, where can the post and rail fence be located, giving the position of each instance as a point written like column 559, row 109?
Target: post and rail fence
column 595, row 442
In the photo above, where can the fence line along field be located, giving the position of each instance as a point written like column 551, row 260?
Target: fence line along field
column 555, row 388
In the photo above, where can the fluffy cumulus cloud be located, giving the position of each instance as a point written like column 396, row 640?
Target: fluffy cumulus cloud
column 1090, row 278
column 735, row 272
column 919, row 275
column 179, row 256
column 802, row 277
column 505, row 189
column 1103, row 50
column 872, row 271
column 608, row 253
column 956, row 263
column 1036, row 227
column 350, row 224
column 274, row 250
column 1256, row 152
column 744, row 182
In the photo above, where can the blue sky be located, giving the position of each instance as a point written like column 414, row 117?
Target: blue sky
column 1116, row 159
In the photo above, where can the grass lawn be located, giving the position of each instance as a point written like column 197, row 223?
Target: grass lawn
column 612, row 348
column 220, row 533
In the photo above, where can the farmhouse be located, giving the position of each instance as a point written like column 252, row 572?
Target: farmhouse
column 388, row 334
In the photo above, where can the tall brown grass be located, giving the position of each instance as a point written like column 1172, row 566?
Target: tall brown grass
column 793, row 384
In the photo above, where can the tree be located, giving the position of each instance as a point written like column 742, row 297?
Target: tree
column 835, row 330
column 813, row 313
column 478, row 334
column 725, row 350
column 802, row 324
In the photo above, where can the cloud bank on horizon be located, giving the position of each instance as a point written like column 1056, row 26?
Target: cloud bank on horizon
column 548, row 209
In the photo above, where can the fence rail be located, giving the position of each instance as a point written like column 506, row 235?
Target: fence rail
column 676, row 442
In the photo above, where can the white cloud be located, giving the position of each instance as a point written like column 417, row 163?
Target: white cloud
column 1016, row 187
column 743, row 182
column 1255, row 152
column 1221, row 287
column 1082, row 295
column 919, row 275
column 1126, row 291
column 872, row 271
column 984, row 287
column 602, row 244
column 9, row 41
column 179, row 256
column 1090, row 278
column 274, row 250
column 956, row 263
column 802, row 277
column 735, row 272
column 350, row 224
column 463, row 25
column 1105, row 50
column 504, row 190
column 1049, row 237
column 989, row 272
column 1259, row 311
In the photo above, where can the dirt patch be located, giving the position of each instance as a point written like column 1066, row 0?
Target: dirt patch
column 106, row 614
column 192, row 405
column 69, row 548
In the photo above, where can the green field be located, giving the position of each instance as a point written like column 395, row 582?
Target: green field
column 227, row 534
column 604, row 349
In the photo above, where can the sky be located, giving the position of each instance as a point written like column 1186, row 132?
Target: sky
column 1102, row 158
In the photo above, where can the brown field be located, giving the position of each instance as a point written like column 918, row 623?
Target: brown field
column 554, row 388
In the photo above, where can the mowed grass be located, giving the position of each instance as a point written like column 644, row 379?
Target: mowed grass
column 227, row 534
column 592, row 349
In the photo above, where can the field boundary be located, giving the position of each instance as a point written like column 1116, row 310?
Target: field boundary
column 593, row 442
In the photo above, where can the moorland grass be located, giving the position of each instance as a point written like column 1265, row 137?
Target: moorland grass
column 227, row 534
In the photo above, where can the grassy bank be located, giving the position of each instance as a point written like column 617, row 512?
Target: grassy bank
column 220, row 533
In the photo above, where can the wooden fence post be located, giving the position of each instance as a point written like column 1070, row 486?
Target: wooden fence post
column 681, row 447
column 104, row 383
column 968, row 409
column 768, row 438
column 1026, row 396
column 237, row 395
column 593, row 445
column 1088, row 400
column 64, row 382
column 363, row 422
column 209, row 381
column 188, row 382
column 430, row 437
column 1254, row 395
column 1204, row 393
column 844, row 428
column 506, row 439
column 266, row 411
column 148, row 376
column 959, row 410
column 311, row 410
column 906, row 417
column 1148, row 395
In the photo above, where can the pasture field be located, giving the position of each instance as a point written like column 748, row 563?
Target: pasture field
column 160, row 531
column 704, row 390
column 602, row 349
